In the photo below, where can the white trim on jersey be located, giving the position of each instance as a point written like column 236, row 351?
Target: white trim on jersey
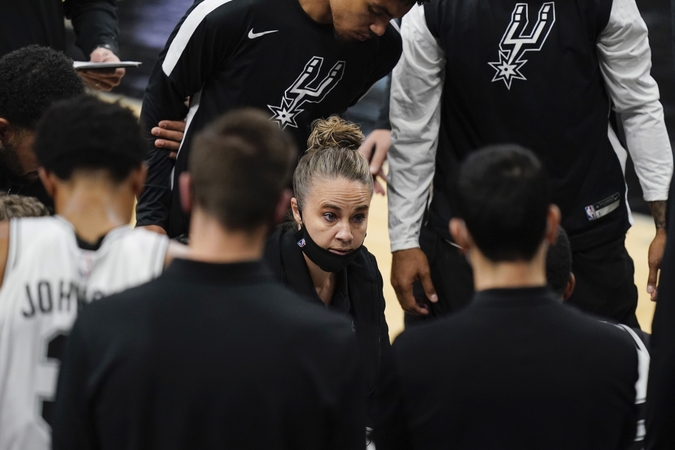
column 194, row 107
column 192, row 21
column 643, row 376
column 622, row 156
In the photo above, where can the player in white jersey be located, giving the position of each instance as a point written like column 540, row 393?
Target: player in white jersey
column 91, row 157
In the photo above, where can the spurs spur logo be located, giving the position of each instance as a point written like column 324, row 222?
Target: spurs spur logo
column 305, row 89
column 516, row 42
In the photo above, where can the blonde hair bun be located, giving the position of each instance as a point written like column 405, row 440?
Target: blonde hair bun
column 334, row 132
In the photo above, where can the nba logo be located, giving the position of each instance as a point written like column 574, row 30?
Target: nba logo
column 590, row 212
column 301, row 243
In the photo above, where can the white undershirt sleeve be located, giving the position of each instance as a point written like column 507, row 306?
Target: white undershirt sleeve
column 625, row 62
column 416, row 89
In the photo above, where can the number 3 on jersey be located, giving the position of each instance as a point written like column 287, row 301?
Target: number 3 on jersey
column 51, row 361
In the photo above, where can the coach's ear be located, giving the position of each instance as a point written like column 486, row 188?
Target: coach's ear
column 185, row 186
column 49, row 180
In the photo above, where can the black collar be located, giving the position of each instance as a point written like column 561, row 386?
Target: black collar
column 219, row 273
column 524, row 297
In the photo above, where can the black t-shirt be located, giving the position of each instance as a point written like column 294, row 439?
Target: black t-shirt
column 27, row 22
column 210, row 356
column 267, row 54
column 516, row 369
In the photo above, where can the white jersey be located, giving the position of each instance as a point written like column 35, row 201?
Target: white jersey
column 47, row 280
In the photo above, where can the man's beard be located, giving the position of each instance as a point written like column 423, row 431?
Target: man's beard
column 10, row 166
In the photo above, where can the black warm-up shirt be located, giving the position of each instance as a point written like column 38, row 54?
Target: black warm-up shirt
column 542, row 74
column 210, row 356
column 267, row 54
column 27, row 22
column 516, row 369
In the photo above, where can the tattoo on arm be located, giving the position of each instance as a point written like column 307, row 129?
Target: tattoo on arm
column 658, row 213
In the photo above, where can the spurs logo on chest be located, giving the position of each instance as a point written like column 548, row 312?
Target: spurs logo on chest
column 306, row 89
column 518, row 39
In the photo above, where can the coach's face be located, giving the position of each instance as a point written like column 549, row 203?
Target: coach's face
column 363, row 19
column 335, row 214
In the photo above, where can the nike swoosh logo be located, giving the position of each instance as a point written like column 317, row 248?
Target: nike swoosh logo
column 252, row 35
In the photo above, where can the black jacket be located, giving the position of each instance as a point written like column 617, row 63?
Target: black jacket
column 366, row 300
column 265, row 54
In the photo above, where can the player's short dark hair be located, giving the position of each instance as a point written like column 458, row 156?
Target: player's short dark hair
column 559, row 263
column 503, row 196
column 17, row 206
column 31, row 79
column 240, row 165
column 88, row 133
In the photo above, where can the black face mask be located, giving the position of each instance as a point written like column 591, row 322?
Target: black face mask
column 326, row 260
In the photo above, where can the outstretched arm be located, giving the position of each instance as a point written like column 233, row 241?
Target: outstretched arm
column 625, row 62
column 416, row 88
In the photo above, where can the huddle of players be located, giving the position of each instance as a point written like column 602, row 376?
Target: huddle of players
column 146, row 368
column 215, row 353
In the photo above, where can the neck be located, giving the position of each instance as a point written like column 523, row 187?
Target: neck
column 94, row 206
column 210, row 242
column 324, row 282
column 318, row 10
column 508, row 275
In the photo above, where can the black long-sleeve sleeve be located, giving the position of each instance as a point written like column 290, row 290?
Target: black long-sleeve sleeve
column 661, row 386
column 95, row 23
column 191, row 57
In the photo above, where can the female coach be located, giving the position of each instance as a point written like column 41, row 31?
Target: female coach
column 320, row 254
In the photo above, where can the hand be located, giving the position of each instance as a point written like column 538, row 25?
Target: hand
column 375, row 149
column 102, row 80
column 406, row 267
column 654, row 258
column 154, row 228
column 170, row 134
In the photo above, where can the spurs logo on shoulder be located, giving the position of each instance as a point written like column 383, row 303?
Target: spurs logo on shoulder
column 515, row 42
column 305, row 90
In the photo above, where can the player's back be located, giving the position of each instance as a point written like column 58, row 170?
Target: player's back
column 520, row 370
column 50, row 275
column 210, row 356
